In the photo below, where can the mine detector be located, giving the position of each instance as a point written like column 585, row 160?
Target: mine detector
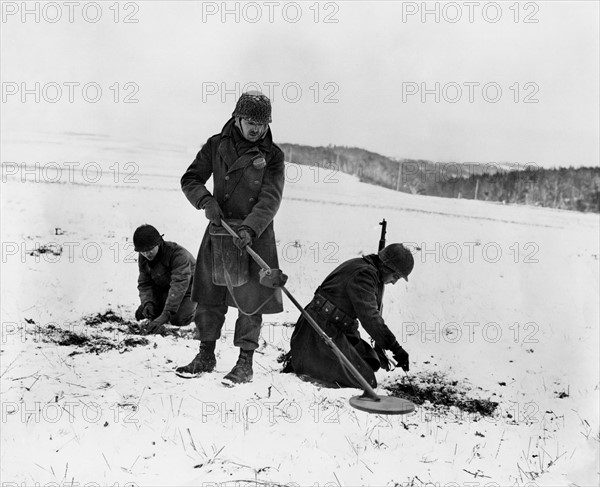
column 369, row 401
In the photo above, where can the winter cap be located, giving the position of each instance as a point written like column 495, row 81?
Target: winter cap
column 145, row 238
column 398, row 258
column 254, row 107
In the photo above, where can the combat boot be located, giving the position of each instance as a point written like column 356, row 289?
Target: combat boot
column 204, row 361
column 242, row 370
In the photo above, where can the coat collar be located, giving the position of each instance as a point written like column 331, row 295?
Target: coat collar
column 265, row 144
column 159, row 258
column 373, row 259
column 229, row 154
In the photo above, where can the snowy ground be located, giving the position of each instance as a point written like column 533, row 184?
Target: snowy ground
column 503, row 300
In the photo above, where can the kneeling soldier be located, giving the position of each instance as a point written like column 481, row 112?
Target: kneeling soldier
column 165, row 281
column 348, row 295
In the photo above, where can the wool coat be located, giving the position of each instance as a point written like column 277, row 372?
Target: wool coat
column 248, row 188
column 171, row 272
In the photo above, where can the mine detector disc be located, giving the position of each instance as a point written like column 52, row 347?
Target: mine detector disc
column 382, row 405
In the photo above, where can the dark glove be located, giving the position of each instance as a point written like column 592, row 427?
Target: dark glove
column 213, row 211
column 139, row 313
column 272, row 278
column 401, row 356
column 146, row 311
column 245, row 239
column 156, row 326
column 384, row 362
column 149, row 311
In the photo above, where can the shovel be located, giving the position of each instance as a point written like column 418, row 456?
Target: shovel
column 370, row 401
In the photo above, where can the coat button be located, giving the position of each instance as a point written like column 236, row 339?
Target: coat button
column 227, row 196
column 226, row 178
column 251, row 200
column 256, row 181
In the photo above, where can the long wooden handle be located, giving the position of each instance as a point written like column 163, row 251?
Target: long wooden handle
column 338, row 353
column 357, row 375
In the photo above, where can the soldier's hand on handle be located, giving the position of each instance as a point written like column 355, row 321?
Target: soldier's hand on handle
column 245, row 239
column 213, row 211
column 401, row 357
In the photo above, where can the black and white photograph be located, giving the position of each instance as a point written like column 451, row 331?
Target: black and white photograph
column 300, row 244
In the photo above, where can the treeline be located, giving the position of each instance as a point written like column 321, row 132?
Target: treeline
column 565, row 188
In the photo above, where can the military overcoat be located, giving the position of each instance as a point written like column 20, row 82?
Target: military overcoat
column 248, row 187
column 353, row 289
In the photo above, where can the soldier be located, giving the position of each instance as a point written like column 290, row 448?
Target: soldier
column 248, row 177
column 165, row 281
column 350, row 293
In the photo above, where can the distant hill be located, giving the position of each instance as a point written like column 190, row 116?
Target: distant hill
column 565, row 188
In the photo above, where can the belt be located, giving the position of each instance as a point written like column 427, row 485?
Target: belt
column 329, row 312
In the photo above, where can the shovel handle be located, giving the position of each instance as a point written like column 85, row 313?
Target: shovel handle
column 258, row 259
column 369, row 391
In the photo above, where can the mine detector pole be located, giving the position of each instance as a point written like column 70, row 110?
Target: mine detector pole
column 370, row 401
column 275, row 278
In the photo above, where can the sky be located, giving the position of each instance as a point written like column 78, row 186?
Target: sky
column 444, row 81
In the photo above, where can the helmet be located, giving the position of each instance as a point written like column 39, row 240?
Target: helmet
column 145, row 238
column 254, row 107
column 398, row 258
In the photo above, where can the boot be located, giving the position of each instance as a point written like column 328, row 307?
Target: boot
column 242, row 371
column 204, row 361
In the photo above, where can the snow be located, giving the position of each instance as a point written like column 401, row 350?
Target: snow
column 499, row 294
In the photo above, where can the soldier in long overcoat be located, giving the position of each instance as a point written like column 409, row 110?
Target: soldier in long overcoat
column 347, row 296
column 248, row 178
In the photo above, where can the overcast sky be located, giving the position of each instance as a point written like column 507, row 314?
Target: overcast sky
column 513, row 82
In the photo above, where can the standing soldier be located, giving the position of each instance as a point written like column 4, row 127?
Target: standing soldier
column 248, row 178
column 348, row 295
column 166, row 273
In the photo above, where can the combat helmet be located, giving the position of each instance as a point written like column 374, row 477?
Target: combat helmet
column 398, row 258
column 145, row 238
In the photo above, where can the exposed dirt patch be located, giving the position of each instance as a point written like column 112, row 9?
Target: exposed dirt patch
column 436, row 389
column 96, row 333
column 110, row 321
column 50, row 249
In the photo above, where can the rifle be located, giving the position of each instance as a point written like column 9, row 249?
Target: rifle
column 383, row 224
column 383, row 359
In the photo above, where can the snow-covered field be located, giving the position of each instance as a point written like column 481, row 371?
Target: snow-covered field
column 503, row 301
